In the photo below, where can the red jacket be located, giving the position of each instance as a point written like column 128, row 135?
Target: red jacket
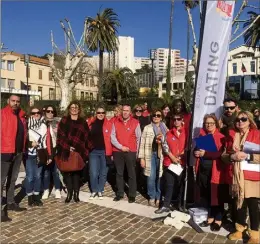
column 176, row 144
column 125, row 133
column 146, row 113
column 107, row 127
column 186, row 120
column 9, row 129
column 221, row 172
column 253, row 136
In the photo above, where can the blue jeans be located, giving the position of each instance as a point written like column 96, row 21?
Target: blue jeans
column 48, row 170
column 153, row 181
column 33, row 175
column 97, row 170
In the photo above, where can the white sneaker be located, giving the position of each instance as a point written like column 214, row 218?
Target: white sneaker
column 100, row 196
column 45, row 194
column 57, row 194
column 92, row 196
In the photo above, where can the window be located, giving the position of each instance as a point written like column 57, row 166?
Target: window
column 51, row 93
column 164, row 86
column 50, row 75
column 2, row 64
column 87, row 81
column 82, row 95
column 40, row 90
column 11, row 83
column 29, row 87
column 252, row 66
column 175, row 86
column 92, row 83
column 91, row 96
column 234, row 68
column 10, row 65
column 3, row 82
column 40, row 74
column 86, row 95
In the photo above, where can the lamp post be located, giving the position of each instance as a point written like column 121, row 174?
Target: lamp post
column 152, row 55
column 26, row 62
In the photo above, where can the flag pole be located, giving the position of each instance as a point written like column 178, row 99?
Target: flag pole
column 189, row 148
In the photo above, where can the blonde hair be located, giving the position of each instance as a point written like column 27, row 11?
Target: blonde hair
column 137, row 106
column 250, row 117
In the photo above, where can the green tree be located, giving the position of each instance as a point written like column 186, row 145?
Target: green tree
column 122, row 81
column 252, row 35
column 103, row 37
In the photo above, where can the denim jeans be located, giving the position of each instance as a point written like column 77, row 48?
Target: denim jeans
column 153, row 181
column 33, row 176
column 48, row 170
column 97, row 170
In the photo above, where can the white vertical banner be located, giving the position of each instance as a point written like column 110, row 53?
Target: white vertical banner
column 211, row 80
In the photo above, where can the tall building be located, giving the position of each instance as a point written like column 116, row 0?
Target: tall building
column 141, row 62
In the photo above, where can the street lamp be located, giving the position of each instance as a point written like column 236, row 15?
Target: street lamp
column 152, row 55
column 26, row 62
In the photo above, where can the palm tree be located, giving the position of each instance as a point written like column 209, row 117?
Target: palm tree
column 191, row 4
column 252, row 34
column 123, row 79
column 168, row 78
column 103, row 31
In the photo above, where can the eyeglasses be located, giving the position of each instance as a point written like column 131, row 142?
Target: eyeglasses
column 210, row 123
column 34, row 113
column 139, row 110
column 100, row 112
column 177, row 119
column 49, row 111
column 242, row 119
column 230, row 108
column 157, row 115
column 74, row 107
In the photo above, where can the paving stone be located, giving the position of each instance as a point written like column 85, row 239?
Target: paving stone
column 199, row 237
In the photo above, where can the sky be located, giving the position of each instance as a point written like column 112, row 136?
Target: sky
column 26, row 25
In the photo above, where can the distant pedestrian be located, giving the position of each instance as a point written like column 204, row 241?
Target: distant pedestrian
column 256, row 114
column 138, row 115
column 13, row 137
column 145, row 110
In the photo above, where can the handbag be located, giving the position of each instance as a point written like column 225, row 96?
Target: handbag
column 42, row 156
column 73, row 163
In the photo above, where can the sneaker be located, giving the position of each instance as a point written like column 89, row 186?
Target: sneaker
column 45, row 194
column 100, row 196
column 57, row 194
column 92, row 196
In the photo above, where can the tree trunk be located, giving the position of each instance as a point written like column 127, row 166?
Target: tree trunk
column 118, row 93
column 168, row 79
column 101, row 52
column 192, row 25
column 66, row 94
column 114, row 60
column 109, row 63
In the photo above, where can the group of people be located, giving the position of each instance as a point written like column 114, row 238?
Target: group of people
column 145, row 143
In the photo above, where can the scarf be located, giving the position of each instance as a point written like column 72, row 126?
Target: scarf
column 238, row 185
column 72, row 133
column 162, row 129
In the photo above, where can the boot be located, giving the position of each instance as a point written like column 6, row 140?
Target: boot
column 76, row 196
column 238, row 235
column 4, row 216
column 37, row 200
column 30, row 201
column 254, row 237
column 69, row 196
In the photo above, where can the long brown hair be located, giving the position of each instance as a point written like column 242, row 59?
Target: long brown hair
column 80, row 115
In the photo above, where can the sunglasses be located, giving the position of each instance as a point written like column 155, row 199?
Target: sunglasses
column 210, row 123
column 100, row 112
column 177, row 119
column 49, row 111
column 230, row 108
column 157, row 115
column 139, row 110
column 34, row 113
column 242, row 119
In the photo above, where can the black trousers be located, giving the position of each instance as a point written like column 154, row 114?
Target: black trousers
column 72, row 180
column 252, row 205
column 128, row 159
column 172, row 182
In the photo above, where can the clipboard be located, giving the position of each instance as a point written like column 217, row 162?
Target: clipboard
column 206, row 143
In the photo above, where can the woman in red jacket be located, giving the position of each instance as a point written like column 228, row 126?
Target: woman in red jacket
column 212, row 174
column 173, row 146
column 100, row 150
column 246, row 183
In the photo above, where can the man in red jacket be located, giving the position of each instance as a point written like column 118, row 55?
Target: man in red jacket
column 13, row 137
column 125, row 138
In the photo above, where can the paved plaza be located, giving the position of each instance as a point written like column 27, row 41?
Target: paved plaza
column 98, row 221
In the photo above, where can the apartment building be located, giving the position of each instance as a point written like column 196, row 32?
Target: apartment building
column 141, row 62
column 40, row 79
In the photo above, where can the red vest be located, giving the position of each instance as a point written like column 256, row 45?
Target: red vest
column 125, row 133
column 146, row 113
column 176, row 145
column 253, row 136
column 107, row 128
column 9, row 129
column 221, row 173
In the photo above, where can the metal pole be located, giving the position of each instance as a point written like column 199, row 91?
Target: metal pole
column 27, row 82
column 152, row 74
